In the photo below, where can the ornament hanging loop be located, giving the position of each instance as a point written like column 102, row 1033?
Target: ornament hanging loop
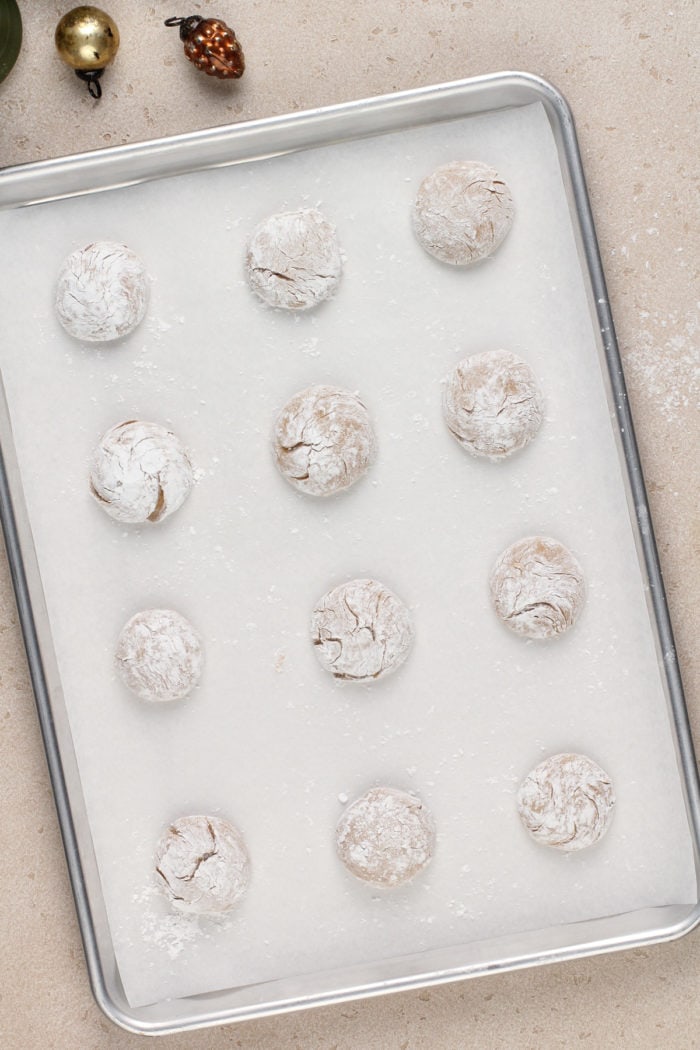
column 92, row 79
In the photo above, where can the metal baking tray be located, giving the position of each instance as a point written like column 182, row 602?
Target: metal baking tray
column 248, row 144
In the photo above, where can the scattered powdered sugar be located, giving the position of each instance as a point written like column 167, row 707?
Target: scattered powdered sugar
column 169, row 933
column 173, row 933
column 665, row 362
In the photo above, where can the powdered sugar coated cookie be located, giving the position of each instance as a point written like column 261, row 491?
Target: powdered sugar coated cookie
column 102, row 292
column 140, row 472
column 537, row 587
column 293, row 260
column 386, row 837
column 323, row 440
column 492, row 404
column 462, row 212
column 202, row 865
column 361, row 631
column 159, row 655
column 566, row 802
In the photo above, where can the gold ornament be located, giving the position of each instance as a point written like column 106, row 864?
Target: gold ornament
column 87, row 40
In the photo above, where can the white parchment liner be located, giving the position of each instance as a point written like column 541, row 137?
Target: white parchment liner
column 270, row 740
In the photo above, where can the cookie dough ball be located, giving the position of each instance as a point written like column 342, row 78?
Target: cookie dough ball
column 293, row 260
column 566, row 802
column 492, row 404
column 537, row 587
column 361, row 631
column 462, row 212
column 159, row 655
column 102, row 292
column 140, row 472
column 323, row 440
column 202, row 865
column 386, row 837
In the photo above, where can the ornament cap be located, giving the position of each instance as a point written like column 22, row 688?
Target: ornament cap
column 186, row 25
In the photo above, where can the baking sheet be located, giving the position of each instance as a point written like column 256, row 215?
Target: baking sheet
column 268, row 740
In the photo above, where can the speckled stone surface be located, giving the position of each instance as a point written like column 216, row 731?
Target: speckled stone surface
column 630, row 73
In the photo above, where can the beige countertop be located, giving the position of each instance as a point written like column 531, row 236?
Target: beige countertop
column 630, row 74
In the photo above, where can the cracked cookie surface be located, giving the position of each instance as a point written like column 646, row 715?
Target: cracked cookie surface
column 462, row 212
column 566, row 802
column 537, row 587
column 323, row 440
column 159, row 655
column 140, row 472
column 202, row 865
column 492, row 404
column 361, row 631
column 102, row 292
column 386, row 837
column 293, row 260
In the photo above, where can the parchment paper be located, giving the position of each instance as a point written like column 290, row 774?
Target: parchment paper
column 269, row 740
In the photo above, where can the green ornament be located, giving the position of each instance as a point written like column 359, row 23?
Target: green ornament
column 10, row 35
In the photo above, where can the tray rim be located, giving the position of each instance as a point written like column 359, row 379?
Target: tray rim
column 139, row 162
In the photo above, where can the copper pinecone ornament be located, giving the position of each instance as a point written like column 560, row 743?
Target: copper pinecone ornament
column 211, row 45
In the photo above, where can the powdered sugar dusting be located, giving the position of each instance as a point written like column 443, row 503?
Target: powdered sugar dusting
column 664, row 361
column 176, row 932
column 169, row 933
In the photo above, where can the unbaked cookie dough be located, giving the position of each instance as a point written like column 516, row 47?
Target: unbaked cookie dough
column 102, row 292
column 293, row 260
column 361, row 631
column 385, row 837
column 159, row 655
column 462, row 213
column 140, row 472
column 323, row 440
column 566, row 802
column 537, row 587
column 492, row 404
column 202, row 865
